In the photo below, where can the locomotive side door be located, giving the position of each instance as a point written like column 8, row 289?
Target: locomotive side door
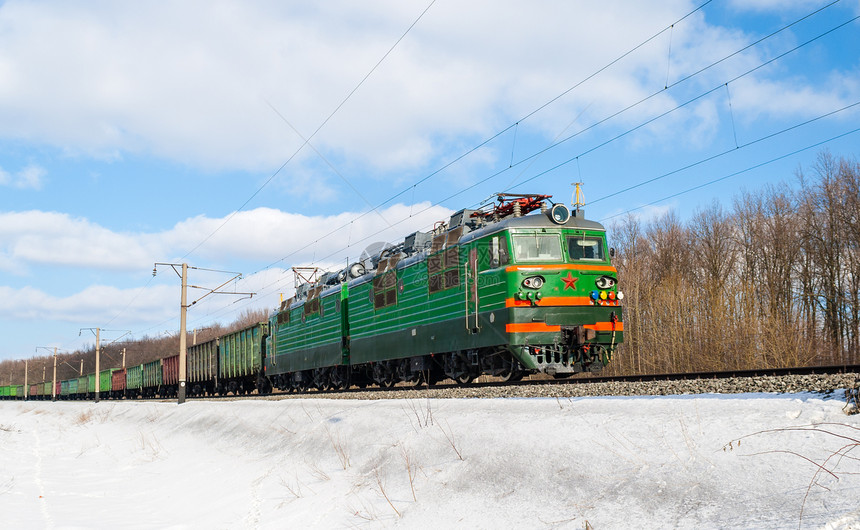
column 472, row 299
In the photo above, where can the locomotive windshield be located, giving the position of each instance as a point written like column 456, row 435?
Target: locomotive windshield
column 579, row 247
column 536, row 247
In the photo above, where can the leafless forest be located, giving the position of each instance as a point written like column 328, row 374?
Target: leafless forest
column 771, row 281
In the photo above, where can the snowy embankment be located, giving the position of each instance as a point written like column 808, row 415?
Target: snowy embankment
column 704, row 461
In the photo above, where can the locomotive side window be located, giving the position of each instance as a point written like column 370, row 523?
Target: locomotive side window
column 385, row 289
column 443, row 270
column 579, row 247
column 536, row 247
column 498, row 251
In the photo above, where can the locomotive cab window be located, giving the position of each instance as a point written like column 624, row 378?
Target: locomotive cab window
column 498, row 251
column 536, row 247
column 585, row 248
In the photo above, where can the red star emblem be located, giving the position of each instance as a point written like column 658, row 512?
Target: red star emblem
column 569, row 282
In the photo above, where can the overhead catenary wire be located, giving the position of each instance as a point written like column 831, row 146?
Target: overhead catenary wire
column 736, row 173
column 463, row 190
column 413, row 186
column 689, row 101
column 276, row 284
column 313, row 134
column 666, row 113
column 723, row 153
column 486, row 141
column 509, row 127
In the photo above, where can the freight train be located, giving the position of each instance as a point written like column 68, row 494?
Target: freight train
column 515, row 288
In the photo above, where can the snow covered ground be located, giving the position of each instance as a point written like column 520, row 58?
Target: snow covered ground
column 707, row 461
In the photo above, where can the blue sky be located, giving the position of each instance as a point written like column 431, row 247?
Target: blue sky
column 141, row 132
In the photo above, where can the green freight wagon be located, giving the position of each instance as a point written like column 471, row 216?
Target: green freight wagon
column 133, row 381
column 66, row 388
column 152, row 378
column 83, row 387
column 202, row 362
column 4, row 392
column 104, row 383
column 240, row 359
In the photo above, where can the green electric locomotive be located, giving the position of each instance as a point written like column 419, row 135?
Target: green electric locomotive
column 493, row 291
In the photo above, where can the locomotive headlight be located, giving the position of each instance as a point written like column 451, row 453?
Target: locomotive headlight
column 533, row 282
column 559, row 214
column 595, row 295
column 620, row 295
column 603, row 295
column 605, row 282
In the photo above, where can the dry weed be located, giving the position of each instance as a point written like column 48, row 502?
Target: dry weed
column 451, row 440
column 423, row 416
column 339, row 448
column 411, row 469
column 846, row 435
column 385, row 495
column 318, row 473
column 84, row 416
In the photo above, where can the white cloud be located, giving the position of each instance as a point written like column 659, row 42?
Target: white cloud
column 96, row 303
column 263, row 235
column 753, row 98
column 191, row 81
column 30, row 177
column 58, row 239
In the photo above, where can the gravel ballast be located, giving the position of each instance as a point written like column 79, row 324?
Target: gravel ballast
column 786, row 384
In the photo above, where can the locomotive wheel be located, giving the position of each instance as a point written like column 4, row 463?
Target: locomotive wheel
column 511, row 374
column 340, row 378
column 322, row 379
column 420, row 379
column 465, row 378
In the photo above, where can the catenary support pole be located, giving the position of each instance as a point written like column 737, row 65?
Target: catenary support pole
column 98, row 375
column 182, row 342
column 54, row 385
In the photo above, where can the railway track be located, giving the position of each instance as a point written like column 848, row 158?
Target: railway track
column 814, row 379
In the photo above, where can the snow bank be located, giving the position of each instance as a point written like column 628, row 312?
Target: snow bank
column 647, row 462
